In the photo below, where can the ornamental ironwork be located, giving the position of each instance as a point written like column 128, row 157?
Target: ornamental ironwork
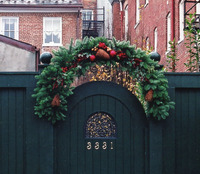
column 100, row 125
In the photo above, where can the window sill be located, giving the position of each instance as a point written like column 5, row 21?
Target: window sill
column 52, row 45
column 136, row 25
column 180, row 41
column 167, row 52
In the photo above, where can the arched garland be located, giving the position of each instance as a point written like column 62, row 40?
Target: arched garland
column 54, row 83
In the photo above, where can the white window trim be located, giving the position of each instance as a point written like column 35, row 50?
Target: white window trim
column 146, row 3
column 52, row 44
column 126, row 23
column 147, row 43
column 17, row 26
column 156, row 39
column 198, row 8
column 181, row 21
column 137, row 16
column 168, row 31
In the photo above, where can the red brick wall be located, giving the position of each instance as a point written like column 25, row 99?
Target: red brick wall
column 90, row 4
column 31, row 27
column 152, row 16
column 116, row 21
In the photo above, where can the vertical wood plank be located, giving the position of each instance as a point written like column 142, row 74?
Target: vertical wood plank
column 104, row 152
column 127, row 136
column 81, row 136
column 119, row 141
column 155, row 147
column 88, row 153
column 31, row 132
column 5, row 132
column 73, row 143
column 96, row 153
column 112, row 152
column 19, row 131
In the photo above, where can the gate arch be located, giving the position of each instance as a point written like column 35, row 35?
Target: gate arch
column 54, row 83
column 127, row 153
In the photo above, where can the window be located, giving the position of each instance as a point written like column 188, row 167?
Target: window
column 137, row 12
column 126, row 23
column 168, row 31
column 10, row 27
column 147, row 44
column 87, row 15
column 181, row 20
column 155, row 39
column 52, row 28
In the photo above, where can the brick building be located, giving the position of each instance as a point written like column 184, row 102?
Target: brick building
column 151, row 24
column 45, row 24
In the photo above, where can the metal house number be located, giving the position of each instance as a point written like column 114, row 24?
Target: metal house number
column 97, row 145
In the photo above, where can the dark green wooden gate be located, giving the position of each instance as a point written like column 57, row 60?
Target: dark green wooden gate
column 82, row 145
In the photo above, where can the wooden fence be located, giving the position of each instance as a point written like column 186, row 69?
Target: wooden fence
column 27, row 143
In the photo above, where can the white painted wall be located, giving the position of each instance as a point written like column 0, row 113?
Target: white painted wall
column 108, row 17
column 16, row 59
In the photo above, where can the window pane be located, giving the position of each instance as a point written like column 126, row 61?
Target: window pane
column 56, row 38
column 6, row 33
column 12, row 24
column 12, row 34
column 56, row 25
column 48, row 37
column 48, row 25
column 6, row 24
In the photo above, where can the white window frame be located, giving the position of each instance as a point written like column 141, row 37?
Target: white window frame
column 16, row 30
column 198, row 8
column 181, row 20
column 156, row 39
column 126, row 23
column 137, row 16
column 147, row 43
column 146, row 3
column 59, row 31
column 168, row 32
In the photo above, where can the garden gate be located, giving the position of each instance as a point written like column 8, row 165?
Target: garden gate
column 106, row 132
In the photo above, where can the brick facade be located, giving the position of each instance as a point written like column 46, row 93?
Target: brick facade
column 31, row 23
column 31, row 28
column 153, row 15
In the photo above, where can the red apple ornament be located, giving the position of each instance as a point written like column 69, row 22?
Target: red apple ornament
column 92, row 58
column 113, row 53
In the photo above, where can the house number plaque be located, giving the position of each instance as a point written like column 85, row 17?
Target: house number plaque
column 104, row 145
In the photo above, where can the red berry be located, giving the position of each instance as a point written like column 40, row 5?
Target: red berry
column 92, row 58
column 113, row 53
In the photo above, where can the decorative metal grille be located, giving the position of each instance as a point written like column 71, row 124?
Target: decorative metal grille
column 100, row 125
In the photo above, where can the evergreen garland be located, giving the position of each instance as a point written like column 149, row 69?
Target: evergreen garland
column 54, row 83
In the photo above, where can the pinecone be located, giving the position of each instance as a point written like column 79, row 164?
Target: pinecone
column 149, row 95
column 56, row 101
column 102, row 54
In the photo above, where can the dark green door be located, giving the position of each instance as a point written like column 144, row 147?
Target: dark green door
column 105, row 132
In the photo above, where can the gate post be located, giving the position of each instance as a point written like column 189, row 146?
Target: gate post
column 155, row 147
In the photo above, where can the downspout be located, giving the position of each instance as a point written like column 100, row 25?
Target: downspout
column 37, row 58
column 173, row 29
column 78, row 25
column 122, row 15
